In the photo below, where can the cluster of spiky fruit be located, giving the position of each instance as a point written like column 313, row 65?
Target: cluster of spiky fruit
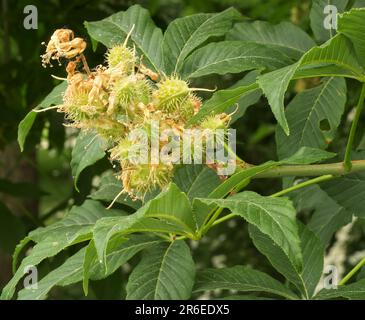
column 123, row 96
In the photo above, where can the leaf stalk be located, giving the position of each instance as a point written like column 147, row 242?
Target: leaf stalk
column 352, row 272
column 335, row 169
column 355, row 122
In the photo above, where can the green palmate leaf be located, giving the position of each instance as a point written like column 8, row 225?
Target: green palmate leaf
column 183, row 35
column 319, row 16
column 305, row 280
column 53, row 98
column 75, row 228
column 196, row 180
column 334, row 58
column 71, row 271
column 307, row 112
column 352, row 25
column 146, row 37
column 169, row 212
column 275, row 217
column 222, row 100
column 274, row 86
column 166, row 272
column 89, row 149
column 327, row 217
column 11, row 229
column 353, row 291
column 109, row 189
column 232, row 57
column 285, row 37
column 241, row 279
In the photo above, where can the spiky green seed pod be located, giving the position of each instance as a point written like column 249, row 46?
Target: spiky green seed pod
column 171, row 94
column 76, row 97
column 76, row 103
column 186, row 110
column 128, row 93
column 82, row 99
column 145, row 178
column 120, row 152
column 214, row 122
column 122, row 58
column 109, row 129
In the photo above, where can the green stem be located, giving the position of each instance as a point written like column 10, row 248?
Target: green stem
column 303, row 185
column 234, row 154
column 347, row 159
column 352, row 272
column 212, row 220
column 225, row 218
column 336, row 169
column 162, row 236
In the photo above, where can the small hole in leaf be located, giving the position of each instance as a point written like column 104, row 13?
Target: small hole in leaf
column 324, row 125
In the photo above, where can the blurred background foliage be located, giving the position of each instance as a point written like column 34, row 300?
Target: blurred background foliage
column 36, row 187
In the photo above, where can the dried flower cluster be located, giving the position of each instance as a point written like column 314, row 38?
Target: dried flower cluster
column 123, row 96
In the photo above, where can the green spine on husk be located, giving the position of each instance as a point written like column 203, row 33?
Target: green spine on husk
column 122, row 58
